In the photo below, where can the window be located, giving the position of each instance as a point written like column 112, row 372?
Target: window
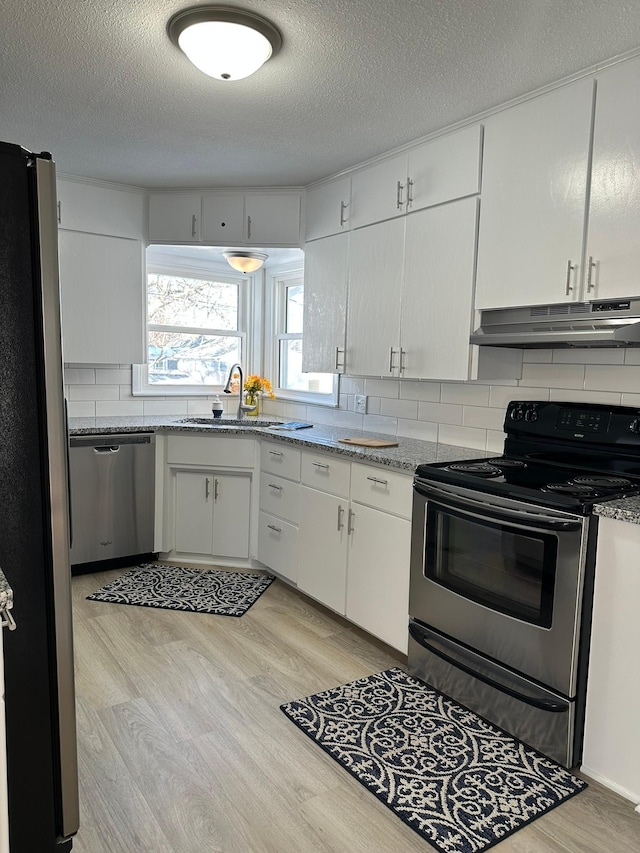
column 291, row 382
column 196, row 329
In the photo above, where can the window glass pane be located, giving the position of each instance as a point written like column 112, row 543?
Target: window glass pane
column 180, row 301
column 294, row 301
column 291, row 376
column 184, row 359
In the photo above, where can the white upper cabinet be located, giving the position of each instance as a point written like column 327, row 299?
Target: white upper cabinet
column 100, row 210
column 174, row 217
column 437, row 294
column 272, row 218
column 325, row 304
column 375, row 284
column 440, row 170
column 613, row 243
column 328, row 208
column 534, row 192
column 222, row 218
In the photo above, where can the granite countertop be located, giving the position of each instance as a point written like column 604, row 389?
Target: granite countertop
column 6, row 593
column 409, row 453
column 623, row 509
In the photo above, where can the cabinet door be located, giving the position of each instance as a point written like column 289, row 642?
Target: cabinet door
column 325, row 304
column 378, row 575
column 614, row 218
column 174, row 217
column 445, row 168
column 278, row 546
column 322, row 547
column 272, row 218
column 437, row 296
column 193, row 512
column 231, row 514
column 379, row 192
column 101, row 210
column 327, row 209
column 101, row 287
column 533, row 200
column 222, row 218
column 373, row 318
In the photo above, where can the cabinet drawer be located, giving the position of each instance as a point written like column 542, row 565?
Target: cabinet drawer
column 278, row 545
column 280, row 497
column 223, row 452
column 382, row 489
column 326, row 472
column 280, row 459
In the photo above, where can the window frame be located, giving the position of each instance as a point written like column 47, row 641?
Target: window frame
column 278, row 279
column 140, row 385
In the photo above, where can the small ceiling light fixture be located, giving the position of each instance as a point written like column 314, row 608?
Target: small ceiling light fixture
column 245, row 261
column 224, row 42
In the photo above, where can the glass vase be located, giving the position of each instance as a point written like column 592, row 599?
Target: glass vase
column 253, row 400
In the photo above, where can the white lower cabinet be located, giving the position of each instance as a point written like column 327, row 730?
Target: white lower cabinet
column 279, row 508
column 322, row 572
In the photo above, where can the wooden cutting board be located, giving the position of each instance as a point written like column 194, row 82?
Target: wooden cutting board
column 369, row 442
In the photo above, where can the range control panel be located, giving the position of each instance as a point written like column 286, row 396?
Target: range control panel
column 591, row 423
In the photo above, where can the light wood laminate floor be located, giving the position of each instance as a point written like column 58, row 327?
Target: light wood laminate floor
column 183, row 748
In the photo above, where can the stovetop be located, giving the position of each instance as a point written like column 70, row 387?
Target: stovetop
column 560, row 455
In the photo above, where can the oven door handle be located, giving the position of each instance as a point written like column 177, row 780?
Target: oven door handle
column 536, row 702
column 525, row 519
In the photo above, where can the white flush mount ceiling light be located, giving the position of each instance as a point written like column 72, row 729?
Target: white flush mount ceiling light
column 224, row 42
column 245, row 261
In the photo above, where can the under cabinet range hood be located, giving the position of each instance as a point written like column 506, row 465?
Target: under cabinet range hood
column 573, row 324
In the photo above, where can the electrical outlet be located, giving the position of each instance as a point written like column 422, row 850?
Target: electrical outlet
column 361, row 403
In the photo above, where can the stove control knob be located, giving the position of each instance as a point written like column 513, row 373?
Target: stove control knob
column 634, row 426
column 517, row 413
column 531, row 415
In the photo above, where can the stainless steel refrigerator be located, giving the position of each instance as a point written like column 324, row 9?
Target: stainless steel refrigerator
column 34, row 513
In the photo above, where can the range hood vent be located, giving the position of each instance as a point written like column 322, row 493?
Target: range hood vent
column 573, row 324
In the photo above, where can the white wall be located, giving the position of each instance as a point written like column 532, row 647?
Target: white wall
column 463, row 413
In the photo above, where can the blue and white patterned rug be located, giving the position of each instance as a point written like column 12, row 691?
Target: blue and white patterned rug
column 460, row 782
column 179, row 588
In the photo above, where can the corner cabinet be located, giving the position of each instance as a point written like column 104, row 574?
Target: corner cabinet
column 326, row 264
column 328, row 209
column 207, row 494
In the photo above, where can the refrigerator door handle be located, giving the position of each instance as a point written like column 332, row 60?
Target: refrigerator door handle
column 7, row 620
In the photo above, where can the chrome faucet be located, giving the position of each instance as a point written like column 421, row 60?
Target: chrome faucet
column 227, row 390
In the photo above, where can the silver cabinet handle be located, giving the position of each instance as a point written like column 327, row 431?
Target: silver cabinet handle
column 591, row 285
column 275, row 452
column 350, row 526
column 568, row 288
column 392, row 366
column 216, row 488
column 377, row 481
column 274, row 528
column 321, row 465
column 248, row 227
column 273, row 486
column 340, row 521
column 343, row 218
column 7, row 620
column 339, row 361
column 207, row 488
column 409, row 193
column 194, row 219
column 402, row 355
column 399, row 189
column 59, row 223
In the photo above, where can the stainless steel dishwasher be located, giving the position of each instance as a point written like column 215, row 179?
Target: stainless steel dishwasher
column 112, row 479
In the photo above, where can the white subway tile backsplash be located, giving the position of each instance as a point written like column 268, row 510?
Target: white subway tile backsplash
column 351, row 385
column 421, row 430
column 119, row 408
column 630, row 400
column 500, row 396
column 624, row 377
column 376, row 423
column 399, row 408
column 482, row 417
column 165, row 407
column 82, row 409
column 94, row 392
column 444, row 413
column 382, row 387
column 351, row 420
column 595, row 355
column 429, row 392
column 470, row 395
column 495, row 441
column 632, row 355
column 373, row 405
column 79, row 376
column 462, row 436
column 537, row 356
column 605, row 398
column 199, row 407
column 112, row 376
column 555, row 375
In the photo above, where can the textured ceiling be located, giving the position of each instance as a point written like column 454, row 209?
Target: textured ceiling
column 99, row 84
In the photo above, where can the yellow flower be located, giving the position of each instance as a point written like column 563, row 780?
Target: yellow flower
column 255, row 384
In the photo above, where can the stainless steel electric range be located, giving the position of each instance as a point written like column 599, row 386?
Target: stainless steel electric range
column 502, row 568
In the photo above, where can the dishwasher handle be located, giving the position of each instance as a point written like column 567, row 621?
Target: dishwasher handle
column 112, row 448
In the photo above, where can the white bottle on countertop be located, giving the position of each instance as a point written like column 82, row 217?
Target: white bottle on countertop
column 217, row 408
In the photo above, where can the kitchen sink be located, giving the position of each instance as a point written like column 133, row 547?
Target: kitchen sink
column 225, row 422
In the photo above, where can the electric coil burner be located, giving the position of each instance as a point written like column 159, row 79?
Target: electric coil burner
column 503, row 563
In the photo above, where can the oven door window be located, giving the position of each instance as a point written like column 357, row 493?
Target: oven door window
column 504, row 567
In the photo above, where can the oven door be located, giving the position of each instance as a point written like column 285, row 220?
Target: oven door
column 502, row 577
